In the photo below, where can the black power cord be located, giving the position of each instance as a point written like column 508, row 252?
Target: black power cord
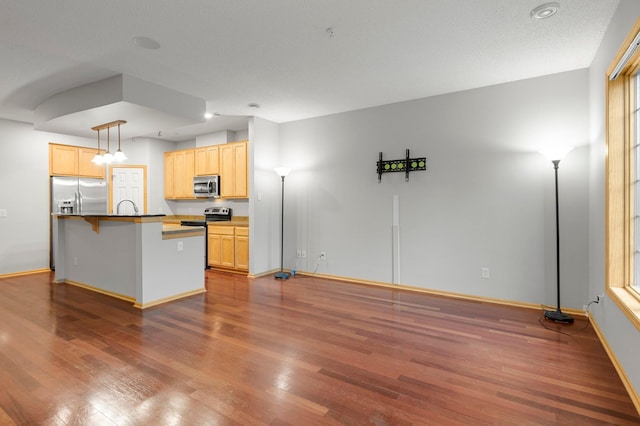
column 587, row 312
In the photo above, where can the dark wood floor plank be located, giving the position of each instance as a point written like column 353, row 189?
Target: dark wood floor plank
column 306, row 351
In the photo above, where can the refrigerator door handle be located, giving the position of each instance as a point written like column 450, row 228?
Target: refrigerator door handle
column 78, row 196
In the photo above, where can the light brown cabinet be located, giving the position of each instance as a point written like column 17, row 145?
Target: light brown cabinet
column 229, row 161
column 221, row 247
column 228, row 247
column 68, row 160
column 88, row 168
column 233, row 170
column 242, row 248
column 179, row 170
column 207, row 160
column 169, row 186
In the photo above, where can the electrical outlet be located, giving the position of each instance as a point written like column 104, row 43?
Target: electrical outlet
column 323, row 255
column 299, row 253
column 180, row 246
column 304, row 253
column 486, row 273
column 600, row 297
column 584, row 308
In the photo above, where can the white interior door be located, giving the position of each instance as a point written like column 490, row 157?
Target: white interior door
column 128, row 184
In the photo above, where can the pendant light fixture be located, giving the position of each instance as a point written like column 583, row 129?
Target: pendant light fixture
column 98, row 158
column 108, row 157
column 119, row 155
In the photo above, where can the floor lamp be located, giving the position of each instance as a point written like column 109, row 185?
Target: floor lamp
column 557, row 316
column 282, row 172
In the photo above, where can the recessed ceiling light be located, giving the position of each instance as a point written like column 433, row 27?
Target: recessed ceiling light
column 253, row 105
column 544, row 11
column 146, row 43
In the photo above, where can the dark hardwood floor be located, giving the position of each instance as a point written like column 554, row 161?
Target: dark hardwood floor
column 306, row 351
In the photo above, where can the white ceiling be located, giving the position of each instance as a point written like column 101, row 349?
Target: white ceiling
column 279, row 54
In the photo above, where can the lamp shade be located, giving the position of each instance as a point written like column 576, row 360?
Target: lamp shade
column 119, row 156
column 282, row 171
column 556, row 152
column 98, row 158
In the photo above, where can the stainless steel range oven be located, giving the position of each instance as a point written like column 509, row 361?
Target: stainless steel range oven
column 211, row 214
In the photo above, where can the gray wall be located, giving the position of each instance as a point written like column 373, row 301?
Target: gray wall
column 486, row 200
column 24, row 193
column 620, row 334
column 264, row 196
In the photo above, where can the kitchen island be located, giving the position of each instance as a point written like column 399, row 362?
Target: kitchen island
column 134, row 258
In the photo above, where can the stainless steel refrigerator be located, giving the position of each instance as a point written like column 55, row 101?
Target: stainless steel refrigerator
column 73, row 195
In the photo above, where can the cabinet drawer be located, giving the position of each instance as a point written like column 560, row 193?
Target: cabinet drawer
column 220, row 230
column 242, row 231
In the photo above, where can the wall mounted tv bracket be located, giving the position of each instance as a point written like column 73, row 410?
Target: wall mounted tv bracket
column 405, row 165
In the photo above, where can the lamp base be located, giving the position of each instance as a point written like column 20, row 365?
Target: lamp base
column 558, row 316
column 281, row 276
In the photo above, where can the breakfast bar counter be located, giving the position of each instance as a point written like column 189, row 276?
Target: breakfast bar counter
column 135, row 258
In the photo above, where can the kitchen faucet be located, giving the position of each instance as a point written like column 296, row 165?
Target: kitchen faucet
column 135, row 208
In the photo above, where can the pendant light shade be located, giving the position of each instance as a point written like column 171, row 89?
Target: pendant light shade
column 119, row 156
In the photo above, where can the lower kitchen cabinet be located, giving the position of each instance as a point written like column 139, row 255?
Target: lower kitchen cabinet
column 242, row 248
column 221, row 246
column 228, row 247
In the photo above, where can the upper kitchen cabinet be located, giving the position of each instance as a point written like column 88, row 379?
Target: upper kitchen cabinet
column 169, row 186
column 179, row 170
column 228, row 160
column 68, row 160
column 233, row 170
column 88, row 168
column 207, row 161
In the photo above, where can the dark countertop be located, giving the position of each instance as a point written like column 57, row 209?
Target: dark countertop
column 121, row 215
column 235, row 220
column 108, row 215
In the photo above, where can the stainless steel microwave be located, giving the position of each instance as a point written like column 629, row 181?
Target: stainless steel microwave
column 206, row 186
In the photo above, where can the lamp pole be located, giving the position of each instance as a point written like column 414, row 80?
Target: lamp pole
column 557, row 315
column 282, row 172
